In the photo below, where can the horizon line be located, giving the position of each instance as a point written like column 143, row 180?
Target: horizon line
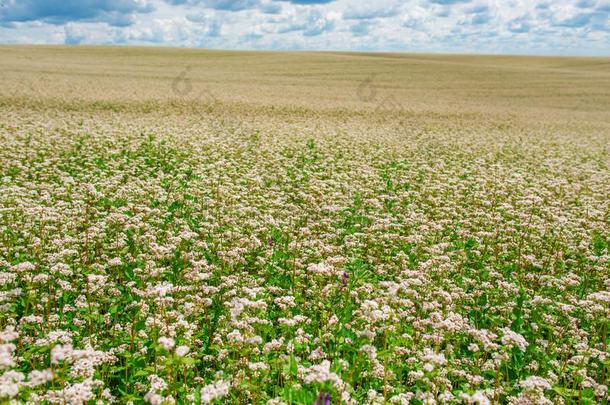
column 312, row 50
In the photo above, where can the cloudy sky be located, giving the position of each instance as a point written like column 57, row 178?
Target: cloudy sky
column 563, row 27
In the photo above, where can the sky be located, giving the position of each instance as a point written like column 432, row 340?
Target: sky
column 557, row 27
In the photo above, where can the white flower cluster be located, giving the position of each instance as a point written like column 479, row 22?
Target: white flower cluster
column 214, row 391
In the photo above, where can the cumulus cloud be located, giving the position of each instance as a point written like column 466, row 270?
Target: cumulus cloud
column 308, row 1
column 490, row 26
column 114, row 12
column 449, row 2
column 74, row 35
column 520, row 25
column 361, row 28
column 209, row 25
column 310, row 22
column 378, row 10
column 228, row 5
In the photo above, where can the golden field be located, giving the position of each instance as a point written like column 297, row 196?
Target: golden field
column 522, row 89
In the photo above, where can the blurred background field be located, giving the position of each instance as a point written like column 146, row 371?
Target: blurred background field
column 331, row 87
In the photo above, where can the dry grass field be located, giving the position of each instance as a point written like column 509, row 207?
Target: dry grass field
column 190, row 226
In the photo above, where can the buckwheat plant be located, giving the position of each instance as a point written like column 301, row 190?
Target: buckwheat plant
column 302, row 257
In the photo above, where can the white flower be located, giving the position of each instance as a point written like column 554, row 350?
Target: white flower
column 115, row 262
column 511, row 339
column 8, row 334
column 60, row 353
column 6, row 356
column 167, row 343
column 36, row 377
column 182, row 351
column 535, row 383
column 214, row 391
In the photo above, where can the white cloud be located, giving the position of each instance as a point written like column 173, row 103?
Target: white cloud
column 489, row 26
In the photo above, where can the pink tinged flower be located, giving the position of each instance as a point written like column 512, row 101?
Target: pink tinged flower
column 115, row 262
column 214, row 391
column 60, row 353
column 167, row 343
column 512, row 339
column 182, row 351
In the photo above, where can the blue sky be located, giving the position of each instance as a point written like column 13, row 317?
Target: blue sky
column 557, row 27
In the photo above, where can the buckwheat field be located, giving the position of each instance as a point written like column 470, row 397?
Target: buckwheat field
column 181, row 226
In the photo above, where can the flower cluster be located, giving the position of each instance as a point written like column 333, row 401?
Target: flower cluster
column 301, row 258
